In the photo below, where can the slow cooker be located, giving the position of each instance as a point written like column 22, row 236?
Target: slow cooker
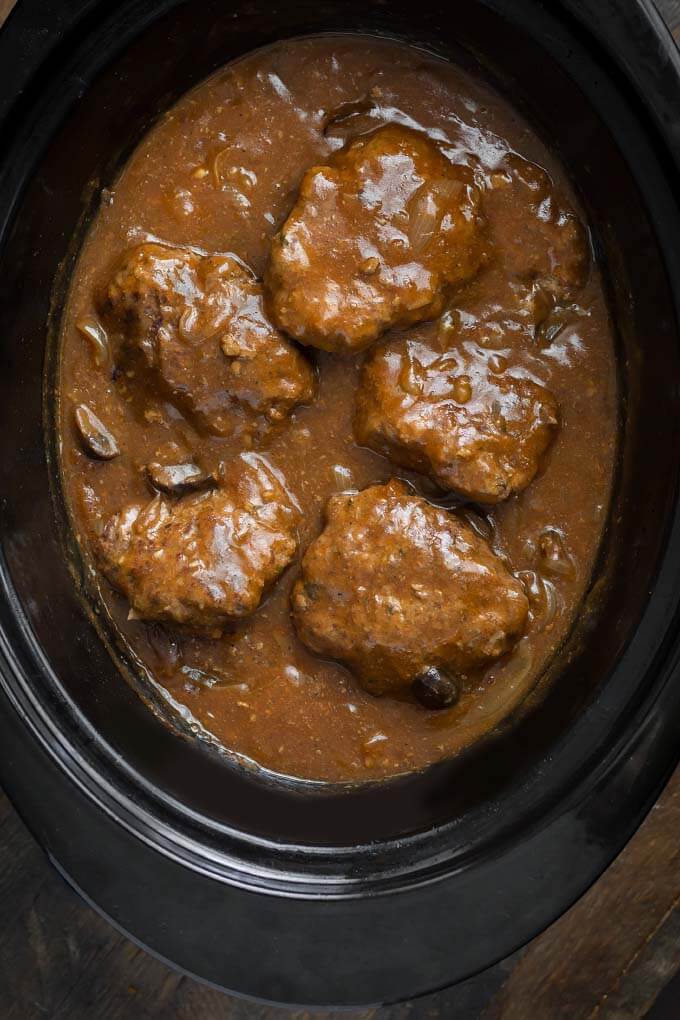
column 308, row 893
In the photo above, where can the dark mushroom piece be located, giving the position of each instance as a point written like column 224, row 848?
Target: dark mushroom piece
column 348, row 111
column 557, row 320
column 95, row 438
column 94, row 333
column 554, row 559
column 178, row 479
column 214, row 677
column 435, row 689
column 543, row 596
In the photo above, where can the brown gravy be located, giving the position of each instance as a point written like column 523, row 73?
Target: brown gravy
column 219, row 172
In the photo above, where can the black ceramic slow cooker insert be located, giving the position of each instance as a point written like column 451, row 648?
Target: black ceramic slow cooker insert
column 307, row 893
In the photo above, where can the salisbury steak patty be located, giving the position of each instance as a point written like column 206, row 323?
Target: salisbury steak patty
column 204, row 560
column 394, row 586
column 198, row 324
column 479, row 433
column 377, row 238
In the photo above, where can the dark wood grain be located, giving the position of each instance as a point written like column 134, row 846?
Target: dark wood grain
column 608, row 958
column 598, row 955
column 670, row 11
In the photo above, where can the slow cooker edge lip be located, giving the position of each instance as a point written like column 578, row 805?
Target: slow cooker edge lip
column 117, row 800
column 1, row 42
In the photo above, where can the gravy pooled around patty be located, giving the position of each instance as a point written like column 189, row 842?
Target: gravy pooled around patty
column 448, row 305
column 540, row 244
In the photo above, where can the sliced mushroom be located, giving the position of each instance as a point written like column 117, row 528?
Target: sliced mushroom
column 215, row 677
column 95, row 334
column 95, row 438
column 348, row 111
column 559, row 318
column 178, row 479
column 435, row 689
column 554, row 558
column 542, row 595
column 552, row 325
column 164, row 647
column 480, row 524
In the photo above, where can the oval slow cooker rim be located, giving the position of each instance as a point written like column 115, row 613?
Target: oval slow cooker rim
column 110, row 796
column 671, row 653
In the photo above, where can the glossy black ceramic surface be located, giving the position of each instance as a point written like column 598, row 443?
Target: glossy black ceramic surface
column 314, row 894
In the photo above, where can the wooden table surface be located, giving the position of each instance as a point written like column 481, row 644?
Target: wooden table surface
column 613, row 956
